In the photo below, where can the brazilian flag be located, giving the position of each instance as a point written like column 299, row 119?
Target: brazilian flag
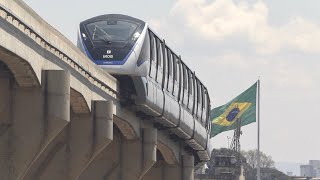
column 242, row 107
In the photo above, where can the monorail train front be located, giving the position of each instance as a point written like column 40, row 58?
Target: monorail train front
column 114, row 42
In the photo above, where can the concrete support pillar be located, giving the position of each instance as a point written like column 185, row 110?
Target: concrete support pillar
column 149, row 149
column 187, row 167
column 138, row 157
column 6, row 81
column 131, row 159
column 106, row 164
column 164, row 171
column 103, row 123
column 51, row 160
column 89, row 138
column 57, row 101
column 24, row 135
column 80, row 143
column 172, row 172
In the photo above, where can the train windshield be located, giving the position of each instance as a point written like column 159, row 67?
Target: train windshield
column 112, row 30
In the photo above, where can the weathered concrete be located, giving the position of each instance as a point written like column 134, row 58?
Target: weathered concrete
column 164, row 171
column 6, row 83
column 60, row 115
column 45, row 139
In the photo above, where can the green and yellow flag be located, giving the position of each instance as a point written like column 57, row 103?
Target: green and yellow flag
column 242, row 107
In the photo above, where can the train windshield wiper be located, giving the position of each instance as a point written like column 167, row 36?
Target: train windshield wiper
column 102, row 35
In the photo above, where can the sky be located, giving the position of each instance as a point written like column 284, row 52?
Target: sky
column 230, row 44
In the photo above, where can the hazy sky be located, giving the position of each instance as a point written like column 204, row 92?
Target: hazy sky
column 229, row 44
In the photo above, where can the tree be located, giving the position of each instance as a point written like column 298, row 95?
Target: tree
column 252, row 159
column 267, row 174
column 249, row 163
column 266, row 161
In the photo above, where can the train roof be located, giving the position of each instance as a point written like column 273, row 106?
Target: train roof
column 111, row 16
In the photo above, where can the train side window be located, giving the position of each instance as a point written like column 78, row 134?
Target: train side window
column 205, row 102
column 160, row 62
column 165, row 64
column 175, row 67
column 202, row 97
column 196, row 93
column 152, row 71
column 152, row 47
column 165, row 57
column 191, row 83
column 179, row 79
column 176, row 75
column 206, row 109
column 169, row 58
column 185, row 78
column 199, row 98
column 190, row 89
column 154, row 57
column 169, row 72
column 207, row 105
column 199, row 92
column 159, row 53
column 185, row 84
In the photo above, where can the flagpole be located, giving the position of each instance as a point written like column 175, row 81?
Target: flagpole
column 258, row 119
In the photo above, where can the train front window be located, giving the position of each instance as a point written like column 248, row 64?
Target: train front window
column 113, row 30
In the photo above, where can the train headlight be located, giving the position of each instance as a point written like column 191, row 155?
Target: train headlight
column 135, row 36
column 84, row 36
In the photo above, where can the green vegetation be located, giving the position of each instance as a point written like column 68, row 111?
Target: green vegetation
column 248, row 161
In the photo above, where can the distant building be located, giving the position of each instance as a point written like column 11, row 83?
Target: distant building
column 314, row 163
column 311, row 170
column 318, row 172
column 290, row 173
column 306, row 170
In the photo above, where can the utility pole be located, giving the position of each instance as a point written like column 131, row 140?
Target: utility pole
column 228, row 141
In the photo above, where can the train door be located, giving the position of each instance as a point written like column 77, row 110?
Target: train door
column 153, row 58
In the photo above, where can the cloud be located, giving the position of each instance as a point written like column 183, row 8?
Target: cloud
column 222, row 19
column 230, row 44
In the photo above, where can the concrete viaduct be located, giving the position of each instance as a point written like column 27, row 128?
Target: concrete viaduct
column 60, row 115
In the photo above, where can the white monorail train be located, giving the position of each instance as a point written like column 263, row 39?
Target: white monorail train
column 163, row 87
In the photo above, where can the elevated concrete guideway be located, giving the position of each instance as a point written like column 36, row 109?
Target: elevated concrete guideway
column 60, row 116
